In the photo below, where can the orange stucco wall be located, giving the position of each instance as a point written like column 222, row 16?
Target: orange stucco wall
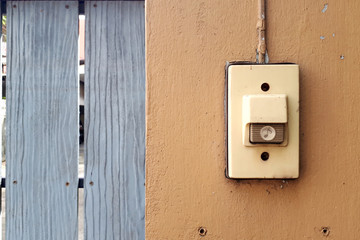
column 187, row 45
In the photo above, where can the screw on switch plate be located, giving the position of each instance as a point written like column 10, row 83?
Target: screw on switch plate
column 266, row 133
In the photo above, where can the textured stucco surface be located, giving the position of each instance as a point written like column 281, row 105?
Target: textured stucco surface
column 187, row 45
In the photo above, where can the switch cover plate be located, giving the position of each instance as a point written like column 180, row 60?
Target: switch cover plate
column 244, row 82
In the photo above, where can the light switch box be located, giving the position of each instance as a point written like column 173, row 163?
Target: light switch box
column 263, row 121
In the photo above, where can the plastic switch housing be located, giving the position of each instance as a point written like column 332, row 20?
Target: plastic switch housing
column 263, row 121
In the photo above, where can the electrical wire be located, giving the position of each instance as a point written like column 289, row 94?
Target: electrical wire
column 260, row 26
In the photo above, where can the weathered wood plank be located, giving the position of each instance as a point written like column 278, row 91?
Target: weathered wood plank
column 115, row 120
column 42, row 120
column 1, row 132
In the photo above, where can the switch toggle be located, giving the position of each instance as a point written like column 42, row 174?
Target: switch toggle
column 264, row 119
column 271, row 134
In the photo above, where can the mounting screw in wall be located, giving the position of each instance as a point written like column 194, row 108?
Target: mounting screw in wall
column 325, row 231
column 202, row 231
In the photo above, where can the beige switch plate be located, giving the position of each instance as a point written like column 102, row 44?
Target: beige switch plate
column 244, row 160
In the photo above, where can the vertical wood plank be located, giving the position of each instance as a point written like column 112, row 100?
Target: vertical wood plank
column 42, row 120
column 115, row 120
column 1, row 127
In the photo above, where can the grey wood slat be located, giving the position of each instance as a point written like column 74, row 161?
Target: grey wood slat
column 114, row 120
column 1, row 132
column 42, row 120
